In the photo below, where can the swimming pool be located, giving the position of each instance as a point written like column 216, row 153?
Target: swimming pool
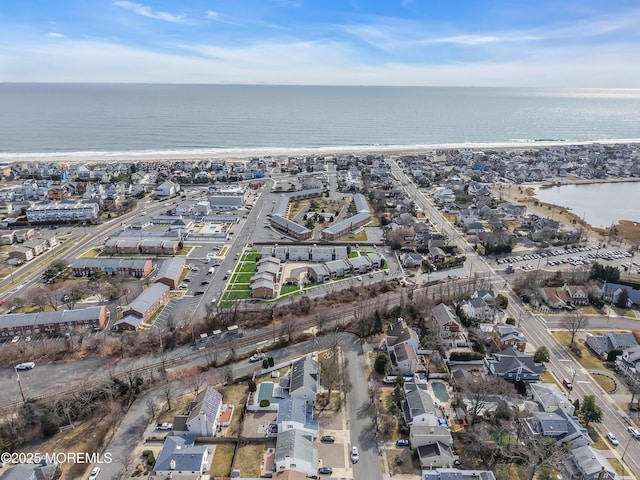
column 440, row 391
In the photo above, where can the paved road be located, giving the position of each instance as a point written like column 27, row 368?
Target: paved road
column 360, row 421
column 535, row 328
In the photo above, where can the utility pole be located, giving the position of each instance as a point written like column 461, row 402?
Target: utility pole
column 24, row 400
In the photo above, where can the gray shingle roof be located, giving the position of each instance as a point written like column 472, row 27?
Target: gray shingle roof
column 171, row 268
column 43, row 318
column 183, row 452
column 147, row 298
column 304, row 373
column 296, row 444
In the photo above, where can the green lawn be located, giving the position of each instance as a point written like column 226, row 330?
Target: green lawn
column 359, row 236
column 624, row 312
column 588, row 360
column 246, row 267
column 285, row 290
column 221, row 465
column 242, row 278
column 252, row 257
column 235, row 295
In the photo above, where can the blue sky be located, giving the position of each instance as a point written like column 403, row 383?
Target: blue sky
column 585, row 43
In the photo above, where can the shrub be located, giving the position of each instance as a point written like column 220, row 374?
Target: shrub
column 264, row 403
column 465, row 356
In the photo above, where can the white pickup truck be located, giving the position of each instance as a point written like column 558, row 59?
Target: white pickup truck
column 164, row 426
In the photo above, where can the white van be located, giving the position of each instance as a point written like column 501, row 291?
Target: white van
column 25, row 366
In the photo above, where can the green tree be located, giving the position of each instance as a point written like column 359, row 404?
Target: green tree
column 377, row 326
column 623, row 299
column 541, row 355
column 381, row 362
column 589, row 411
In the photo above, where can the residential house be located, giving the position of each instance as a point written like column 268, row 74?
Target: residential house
column 32, row 471
column 37, row 245
column 181, row 457
column 601, row 345
column 143, row 307
column 559, row 425
column 505, row 335
column 612, row 292
column 456, row 474
column 61, row 321
column 418, row 407
column 478, row 309
column 437, row 255
column 295, row 451
column 402, row 344
column 428, row 434
column 167, row 189
column 628, row 364
column 170, row 272
column 447, row 320
column 202, row 417
column 550, row 397
column 435, row 455
column 411, row 260
column 296, row 413
column 588, row 463
column 83, row 267
column 304, row 378
column 514, row 366
column 20, row 254
column 263, row 287
column 567, row 295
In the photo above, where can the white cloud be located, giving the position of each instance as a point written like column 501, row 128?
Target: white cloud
column 146, row 11
column 211, row 14
column 55, row 35
column 481, row 39
column 306, row 63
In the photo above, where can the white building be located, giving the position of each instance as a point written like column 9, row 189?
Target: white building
column 65, row 212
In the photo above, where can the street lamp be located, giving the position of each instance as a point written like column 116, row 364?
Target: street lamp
column 573, row 372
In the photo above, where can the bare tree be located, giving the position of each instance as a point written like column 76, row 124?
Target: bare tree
column 151, row 409
column 169, row 393
column 539, row 453
column 480, row 393
column 74, row 295
column 193, row 378
column 574, row 323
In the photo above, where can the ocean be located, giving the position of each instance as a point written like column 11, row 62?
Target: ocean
column 107, row 119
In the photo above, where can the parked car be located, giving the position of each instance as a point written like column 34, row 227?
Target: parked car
column 325, row 470
column 15, row 339
column 94, row 473
column 612, row 438
column 199, row 292
column 25, row 366
column 403, row 442
column 327, row 439
column 165, row 426
column 354, row 455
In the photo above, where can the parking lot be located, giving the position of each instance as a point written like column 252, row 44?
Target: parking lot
column 578, row 256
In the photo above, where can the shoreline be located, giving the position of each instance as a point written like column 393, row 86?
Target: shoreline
column 240, row 154
column 627, row 230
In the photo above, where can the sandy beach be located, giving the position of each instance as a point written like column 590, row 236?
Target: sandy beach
column 242, row 154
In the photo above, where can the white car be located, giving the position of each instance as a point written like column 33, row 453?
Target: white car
column 612, row 438
column 354, row 455
column 25, row 366
column 15, row 339
column 94, row 473
column 634, row 432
